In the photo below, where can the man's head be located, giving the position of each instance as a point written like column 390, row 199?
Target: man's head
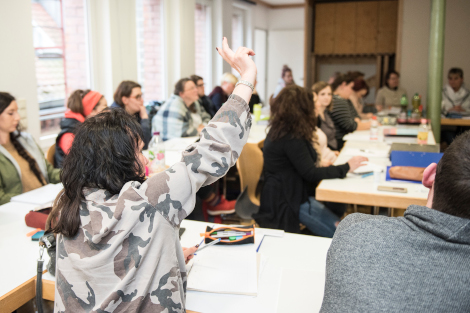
column 449, row 180
column 455, row 78
column 199, row 81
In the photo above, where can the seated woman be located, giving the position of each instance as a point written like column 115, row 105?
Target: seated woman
column 286, row 79
column 82, row 104
column 220, row 93
column 181, row 115
column 117, row 233
column 323, row 107
column 204, row 100
column 360, row 91
column 128, row 96
column 320, row 141
column 389, row 95
column 22, row 163
column 343, row 114
column 292, row 168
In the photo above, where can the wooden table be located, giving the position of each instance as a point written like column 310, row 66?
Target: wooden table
column 357, row 190
column 455, row 122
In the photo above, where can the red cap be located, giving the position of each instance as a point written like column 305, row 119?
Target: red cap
column 89, row 102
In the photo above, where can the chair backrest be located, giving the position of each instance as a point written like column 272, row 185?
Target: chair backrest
column 50, row 154
column 250, row 166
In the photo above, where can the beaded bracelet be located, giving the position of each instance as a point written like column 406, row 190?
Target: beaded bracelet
column 246, row 83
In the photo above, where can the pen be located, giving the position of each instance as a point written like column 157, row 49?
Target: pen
column 209, row 244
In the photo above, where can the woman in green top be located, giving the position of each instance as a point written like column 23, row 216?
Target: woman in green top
column 22, row 163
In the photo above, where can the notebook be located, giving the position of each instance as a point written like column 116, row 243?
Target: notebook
column 224, row 269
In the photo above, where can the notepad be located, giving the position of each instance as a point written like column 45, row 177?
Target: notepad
column 224, row 269
column 40, row 196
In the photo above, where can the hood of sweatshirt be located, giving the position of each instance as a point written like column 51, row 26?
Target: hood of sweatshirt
column 448, row 227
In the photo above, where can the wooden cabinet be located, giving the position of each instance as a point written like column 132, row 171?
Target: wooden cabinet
column 360, row 27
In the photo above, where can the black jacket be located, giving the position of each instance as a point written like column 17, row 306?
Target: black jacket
column 67, row 125
column 290, row 177
column 206, row 102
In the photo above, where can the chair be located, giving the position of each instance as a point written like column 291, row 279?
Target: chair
column 250, row 166
column 50, row 154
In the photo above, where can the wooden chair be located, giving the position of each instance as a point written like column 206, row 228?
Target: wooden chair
column 50, row 154
column 250, row 166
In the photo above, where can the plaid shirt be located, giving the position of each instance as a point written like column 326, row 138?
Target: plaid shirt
column 174, row 119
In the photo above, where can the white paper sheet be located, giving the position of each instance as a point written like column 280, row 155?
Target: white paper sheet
column 40, row 196
column 300, row 291
column 224, row 269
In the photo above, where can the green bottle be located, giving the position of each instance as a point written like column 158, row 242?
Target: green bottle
column 404, row 103
column 416, row 102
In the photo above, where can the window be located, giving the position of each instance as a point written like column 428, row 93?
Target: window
column 203, row 40
column 150, row 48
column 60, row 43
column 237, row 32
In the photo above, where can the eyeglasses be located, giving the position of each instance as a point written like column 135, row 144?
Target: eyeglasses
column 189, row 89
column 201, row 85
column 138, row 97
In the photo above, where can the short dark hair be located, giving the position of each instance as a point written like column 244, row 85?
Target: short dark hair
column 452, row 183
column 456, row 70
column 124, row 90
column 179, row 86
column 387, row 76
column 360, row 84
column 195, row 78
column 341, row 79
column 104, row 156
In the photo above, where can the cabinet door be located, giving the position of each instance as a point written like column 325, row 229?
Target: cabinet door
column 387, row 27
column 366, row 27
column 324, row 28
column 345, row 32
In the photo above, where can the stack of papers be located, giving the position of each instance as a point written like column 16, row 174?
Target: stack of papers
column 224, row 269
column 41, row 196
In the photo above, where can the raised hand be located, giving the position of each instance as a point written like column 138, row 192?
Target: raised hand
column 239, row 60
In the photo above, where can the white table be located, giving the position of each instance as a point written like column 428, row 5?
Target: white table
column 357, row 190
column 283, row 254
column 174, row 147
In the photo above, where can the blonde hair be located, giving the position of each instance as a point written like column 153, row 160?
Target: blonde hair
column 229, row 78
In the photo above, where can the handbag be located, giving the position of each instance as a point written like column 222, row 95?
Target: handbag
column 48, row 241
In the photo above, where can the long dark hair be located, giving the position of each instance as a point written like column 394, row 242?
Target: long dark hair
column 104, row 156
column 5, row 100
column 293, row 113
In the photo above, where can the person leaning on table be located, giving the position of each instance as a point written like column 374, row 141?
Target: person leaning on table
column 22, row 163
column 416, row 263
column 117, row 233
column 292, row 168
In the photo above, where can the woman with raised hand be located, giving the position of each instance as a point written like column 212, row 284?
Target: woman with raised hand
column 117, row 244
column 22, row 163
column 292, row 168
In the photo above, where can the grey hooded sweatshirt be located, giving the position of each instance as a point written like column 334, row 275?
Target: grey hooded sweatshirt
column 416, row 263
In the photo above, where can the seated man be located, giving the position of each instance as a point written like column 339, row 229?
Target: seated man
column 416, row 263
column 455, row 97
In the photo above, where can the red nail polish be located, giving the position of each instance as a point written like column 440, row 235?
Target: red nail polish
column 217, row 49
column 197, row 246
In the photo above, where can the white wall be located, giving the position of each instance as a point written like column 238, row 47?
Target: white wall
column 18, row 72
column 285, row 45
column 415, row 42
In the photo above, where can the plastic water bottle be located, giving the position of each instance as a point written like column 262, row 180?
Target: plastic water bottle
column 423, row 132
column 156, row 154
column 374, row 129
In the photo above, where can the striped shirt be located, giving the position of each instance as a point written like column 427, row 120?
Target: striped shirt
column 343, row 115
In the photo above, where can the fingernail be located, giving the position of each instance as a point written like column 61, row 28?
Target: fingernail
column 217, row 49
column 197, row 246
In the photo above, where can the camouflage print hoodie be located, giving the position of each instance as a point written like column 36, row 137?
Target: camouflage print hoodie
column 126, row 256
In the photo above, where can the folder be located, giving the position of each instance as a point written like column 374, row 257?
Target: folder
column 412, row 158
